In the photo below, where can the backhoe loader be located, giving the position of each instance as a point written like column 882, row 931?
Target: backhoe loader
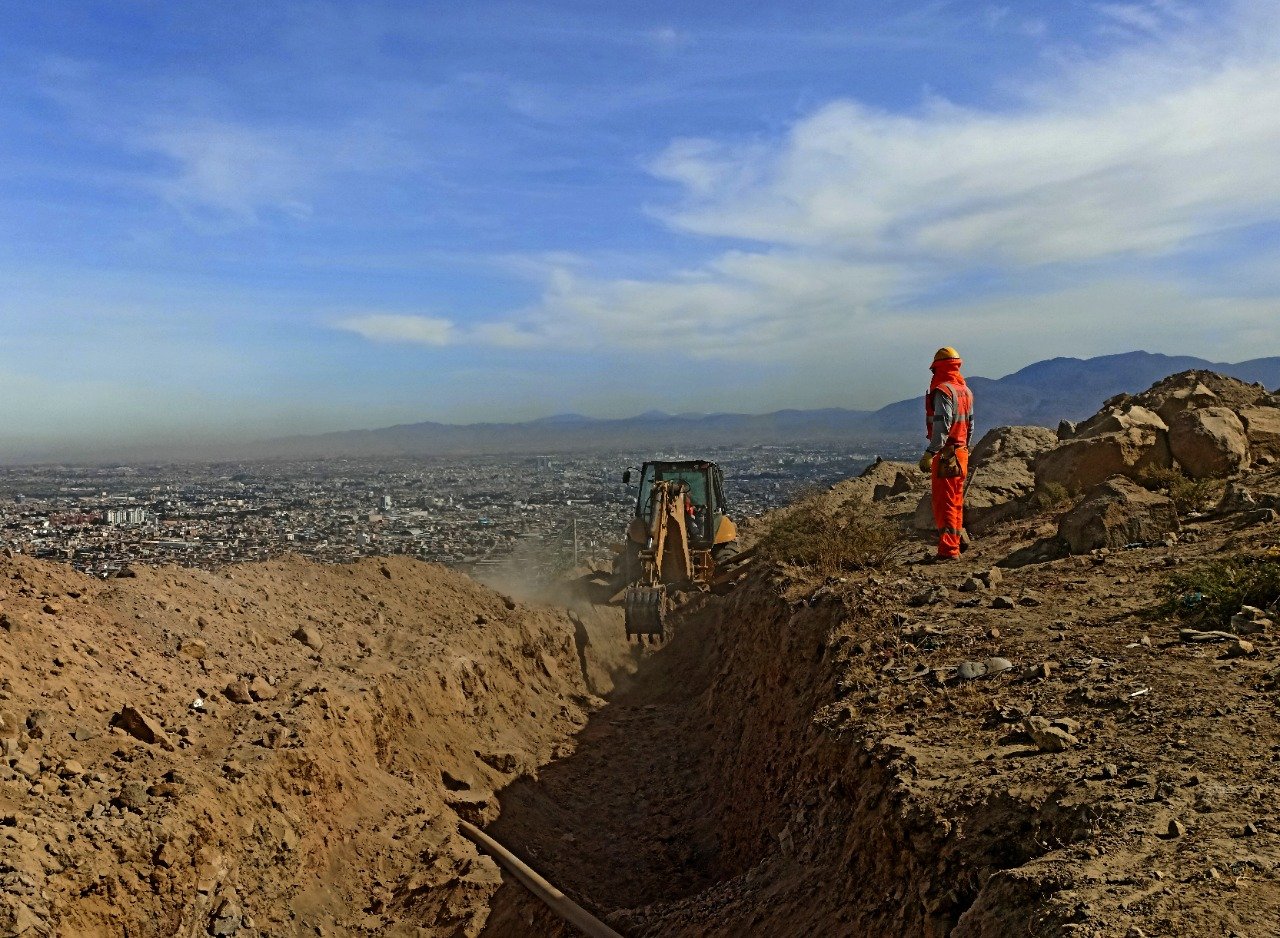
column 679, row 540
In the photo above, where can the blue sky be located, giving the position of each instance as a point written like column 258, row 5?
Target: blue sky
column 222, row 220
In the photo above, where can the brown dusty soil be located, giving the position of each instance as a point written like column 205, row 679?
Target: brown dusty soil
column 798, row 760
column 328, row 805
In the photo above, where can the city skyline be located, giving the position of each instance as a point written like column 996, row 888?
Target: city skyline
column 227, row 221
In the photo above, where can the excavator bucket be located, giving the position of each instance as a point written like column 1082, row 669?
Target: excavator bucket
column 646, row 609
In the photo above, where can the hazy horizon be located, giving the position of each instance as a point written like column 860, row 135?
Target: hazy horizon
column 240, row 221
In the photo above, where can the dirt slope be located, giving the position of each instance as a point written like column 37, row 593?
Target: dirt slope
column 324, row 801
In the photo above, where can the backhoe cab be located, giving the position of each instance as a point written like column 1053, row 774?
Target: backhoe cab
column 679, row 539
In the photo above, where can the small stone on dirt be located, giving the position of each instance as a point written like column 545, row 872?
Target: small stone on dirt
column 238, row 692
column 1002, row 602
column 1240, row 648
column 194, row 648
column 1176, row 828
column 133, row 796
column 309, row 637
column 260, row 689
column 1048, row 738
column 929, row 597
column 971, row 670
column 140, row 726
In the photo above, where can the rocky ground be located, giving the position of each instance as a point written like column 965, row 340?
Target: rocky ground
column 827, row 757
column 1031, row 741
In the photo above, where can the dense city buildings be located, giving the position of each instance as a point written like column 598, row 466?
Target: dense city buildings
column 472, row 513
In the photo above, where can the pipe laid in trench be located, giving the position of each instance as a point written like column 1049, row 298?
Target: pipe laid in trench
column 554, row 899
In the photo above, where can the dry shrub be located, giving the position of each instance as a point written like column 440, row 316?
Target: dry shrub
column 830, row 536
column 1050, row 495
column 1188, row 494
column 1213, row 592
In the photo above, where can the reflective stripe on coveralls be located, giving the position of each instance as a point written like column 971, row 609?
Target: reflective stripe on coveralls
column 960, row 431
column 947, row 495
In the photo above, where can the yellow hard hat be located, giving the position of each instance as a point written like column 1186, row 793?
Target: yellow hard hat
column 944, row 353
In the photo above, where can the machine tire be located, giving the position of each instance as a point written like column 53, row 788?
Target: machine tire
column 722, row 553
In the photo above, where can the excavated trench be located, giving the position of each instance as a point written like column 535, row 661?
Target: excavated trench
column 709, row 798
column 702, row 799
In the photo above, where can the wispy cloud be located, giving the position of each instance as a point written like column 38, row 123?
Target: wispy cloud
column 415, row 330
column 231, row 170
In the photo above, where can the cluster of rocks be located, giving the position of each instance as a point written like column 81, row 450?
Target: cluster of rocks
column 1204, row 424
column 1197, row 423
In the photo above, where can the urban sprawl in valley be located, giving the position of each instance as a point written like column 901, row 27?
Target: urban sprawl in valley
column 464, row 512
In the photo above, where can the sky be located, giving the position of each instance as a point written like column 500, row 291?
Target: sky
column 227, row 220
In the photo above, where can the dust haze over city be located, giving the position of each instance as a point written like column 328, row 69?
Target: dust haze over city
column 300, row 291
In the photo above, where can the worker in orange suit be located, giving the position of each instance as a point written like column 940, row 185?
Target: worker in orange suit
column 948, row 409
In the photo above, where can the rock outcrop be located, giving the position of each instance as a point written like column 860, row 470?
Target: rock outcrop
column 1084, row 461
column 1115, row 513
column 1209, row 442
column 1262, row 427
column 1204, row 424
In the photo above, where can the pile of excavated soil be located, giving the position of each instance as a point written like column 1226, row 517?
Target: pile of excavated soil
column 273, row 749
column 803, row 758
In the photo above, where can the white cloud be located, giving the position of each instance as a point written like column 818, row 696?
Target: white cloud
column 1142, row 174
column 415, row 330
column 1070, row 198
column 860, row 214
column 231, row 170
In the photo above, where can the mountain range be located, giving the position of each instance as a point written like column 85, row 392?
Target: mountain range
column 1042, row 393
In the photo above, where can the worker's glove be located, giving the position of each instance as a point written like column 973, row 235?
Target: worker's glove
column 926, row 462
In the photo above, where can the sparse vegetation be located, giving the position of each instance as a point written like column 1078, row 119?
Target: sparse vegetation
column 1188, row 494
column 831, row 536
column 1213, row 592
column 1050, row 495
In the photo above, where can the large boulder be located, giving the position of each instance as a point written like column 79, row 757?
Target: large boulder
column 886, row 478
column 1115, row 513
column 1018, row 445
column 1116, row 419
column 1000, row 476
column 1186, row 397
column 1262, row 427
column 1083, row 462
column 1209, row 442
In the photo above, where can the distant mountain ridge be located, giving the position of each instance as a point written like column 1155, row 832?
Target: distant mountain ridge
column 1046, row 392
column 1042, row 393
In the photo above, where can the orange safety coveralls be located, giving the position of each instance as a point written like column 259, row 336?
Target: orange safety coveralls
column 948, row 477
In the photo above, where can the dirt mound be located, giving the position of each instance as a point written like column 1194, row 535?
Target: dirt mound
column 275, row 749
